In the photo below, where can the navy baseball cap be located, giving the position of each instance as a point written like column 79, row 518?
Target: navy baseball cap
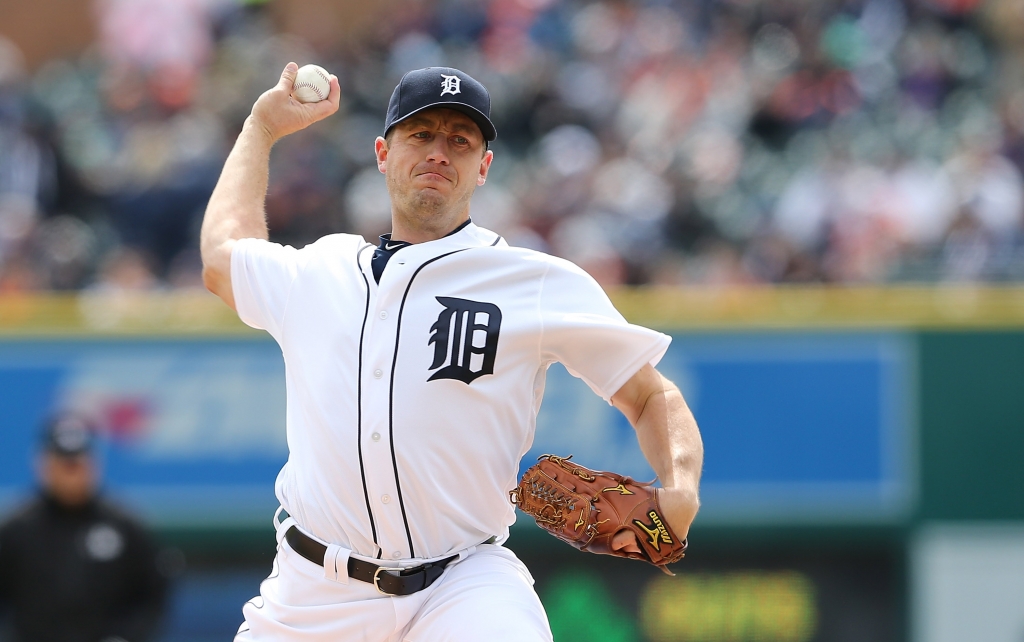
column 68, row 435
column 441, row 87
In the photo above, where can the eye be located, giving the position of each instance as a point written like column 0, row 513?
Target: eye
column 422, row 135
column 461, row 140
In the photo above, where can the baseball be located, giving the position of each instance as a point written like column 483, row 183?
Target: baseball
column 312, row 84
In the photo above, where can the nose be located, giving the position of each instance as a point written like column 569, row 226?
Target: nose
column 438, row 151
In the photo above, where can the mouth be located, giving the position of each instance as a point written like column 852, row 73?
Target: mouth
column 434, row 176
column 434, row 172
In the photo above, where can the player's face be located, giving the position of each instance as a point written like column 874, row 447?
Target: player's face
column 432, row 163
column 71, row 480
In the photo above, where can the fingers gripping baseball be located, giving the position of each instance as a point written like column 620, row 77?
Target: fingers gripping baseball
column 278, row 113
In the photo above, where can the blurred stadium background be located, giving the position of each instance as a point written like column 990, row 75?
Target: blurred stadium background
column 821, row 200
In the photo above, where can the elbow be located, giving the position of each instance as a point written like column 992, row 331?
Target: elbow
column 217, row 269
column 211, row 279
column 218, row 283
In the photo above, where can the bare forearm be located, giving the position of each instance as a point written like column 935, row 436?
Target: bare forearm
column 670, row 440
column 236, row 209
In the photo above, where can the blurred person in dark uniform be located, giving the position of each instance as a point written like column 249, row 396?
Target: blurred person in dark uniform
column 74, row 568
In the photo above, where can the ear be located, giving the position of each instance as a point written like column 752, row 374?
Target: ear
column 380, row 148
column 485, row 166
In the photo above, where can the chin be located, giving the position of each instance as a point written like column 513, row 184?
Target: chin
column 430, row 200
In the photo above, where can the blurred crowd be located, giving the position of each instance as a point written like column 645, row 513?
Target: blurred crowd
column 651, row 141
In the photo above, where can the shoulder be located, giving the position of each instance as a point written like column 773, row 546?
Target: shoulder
column 493, row 244
column 112, row 511
column 334, row 249
column 533, row 263
column 481, row 237
column 23, row 516
column 331, row 244
column 335, row 242
column 507, row 257
column 553, row 265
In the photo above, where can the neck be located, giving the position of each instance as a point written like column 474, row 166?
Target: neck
column 422, row 231
column 69, row 506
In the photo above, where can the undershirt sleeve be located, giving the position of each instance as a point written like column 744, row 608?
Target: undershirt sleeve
column 583, row 331
column 262, row 274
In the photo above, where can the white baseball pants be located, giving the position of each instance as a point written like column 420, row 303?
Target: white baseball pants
column 487, row 595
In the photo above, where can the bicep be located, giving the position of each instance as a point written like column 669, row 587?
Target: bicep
column 259, row 279
column 583, row 331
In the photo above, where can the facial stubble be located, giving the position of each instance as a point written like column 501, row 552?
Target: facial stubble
column 426, row 208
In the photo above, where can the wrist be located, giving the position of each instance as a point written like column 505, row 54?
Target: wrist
column 256, row 128
column 679, row 507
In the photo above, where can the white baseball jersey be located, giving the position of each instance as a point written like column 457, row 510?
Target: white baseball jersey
column 412, row 402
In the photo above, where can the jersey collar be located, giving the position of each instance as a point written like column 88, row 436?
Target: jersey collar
column 465, row 236
column 387, row 245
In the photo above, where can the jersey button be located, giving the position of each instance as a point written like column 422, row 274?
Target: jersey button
column 375, row 436
column 386, row 498
column 377, row 374
column 383, row 314
column 397, row 555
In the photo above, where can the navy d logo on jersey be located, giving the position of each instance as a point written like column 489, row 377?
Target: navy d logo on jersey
column 465, row 338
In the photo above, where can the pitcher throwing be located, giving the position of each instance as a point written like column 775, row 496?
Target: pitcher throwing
column 415, row 369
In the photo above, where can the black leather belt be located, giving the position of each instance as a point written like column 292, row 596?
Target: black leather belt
column 386, row 580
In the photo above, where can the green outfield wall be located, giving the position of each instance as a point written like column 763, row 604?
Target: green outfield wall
column 971, row 425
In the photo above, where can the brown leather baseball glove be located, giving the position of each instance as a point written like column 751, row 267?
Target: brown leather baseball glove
column 586, row 508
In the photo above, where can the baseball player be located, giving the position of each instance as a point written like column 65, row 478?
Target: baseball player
column 415, row 369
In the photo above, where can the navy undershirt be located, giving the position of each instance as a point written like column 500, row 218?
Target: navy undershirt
column 387, row 249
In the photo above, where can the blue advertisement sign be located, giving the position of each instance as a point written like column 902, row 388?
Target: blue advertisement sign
column 194, row 428
column 795, row 426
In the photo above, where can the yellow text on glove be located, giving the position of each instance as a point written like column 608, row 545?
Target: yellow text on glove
column 656, row 531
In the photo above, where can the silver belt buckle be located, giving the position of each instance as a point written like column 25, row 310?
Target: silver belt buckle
column 376, row 579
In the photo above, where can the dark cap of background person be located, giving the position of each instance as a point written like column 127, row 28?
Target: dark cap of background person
column 441, row 87
column 68, row 435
